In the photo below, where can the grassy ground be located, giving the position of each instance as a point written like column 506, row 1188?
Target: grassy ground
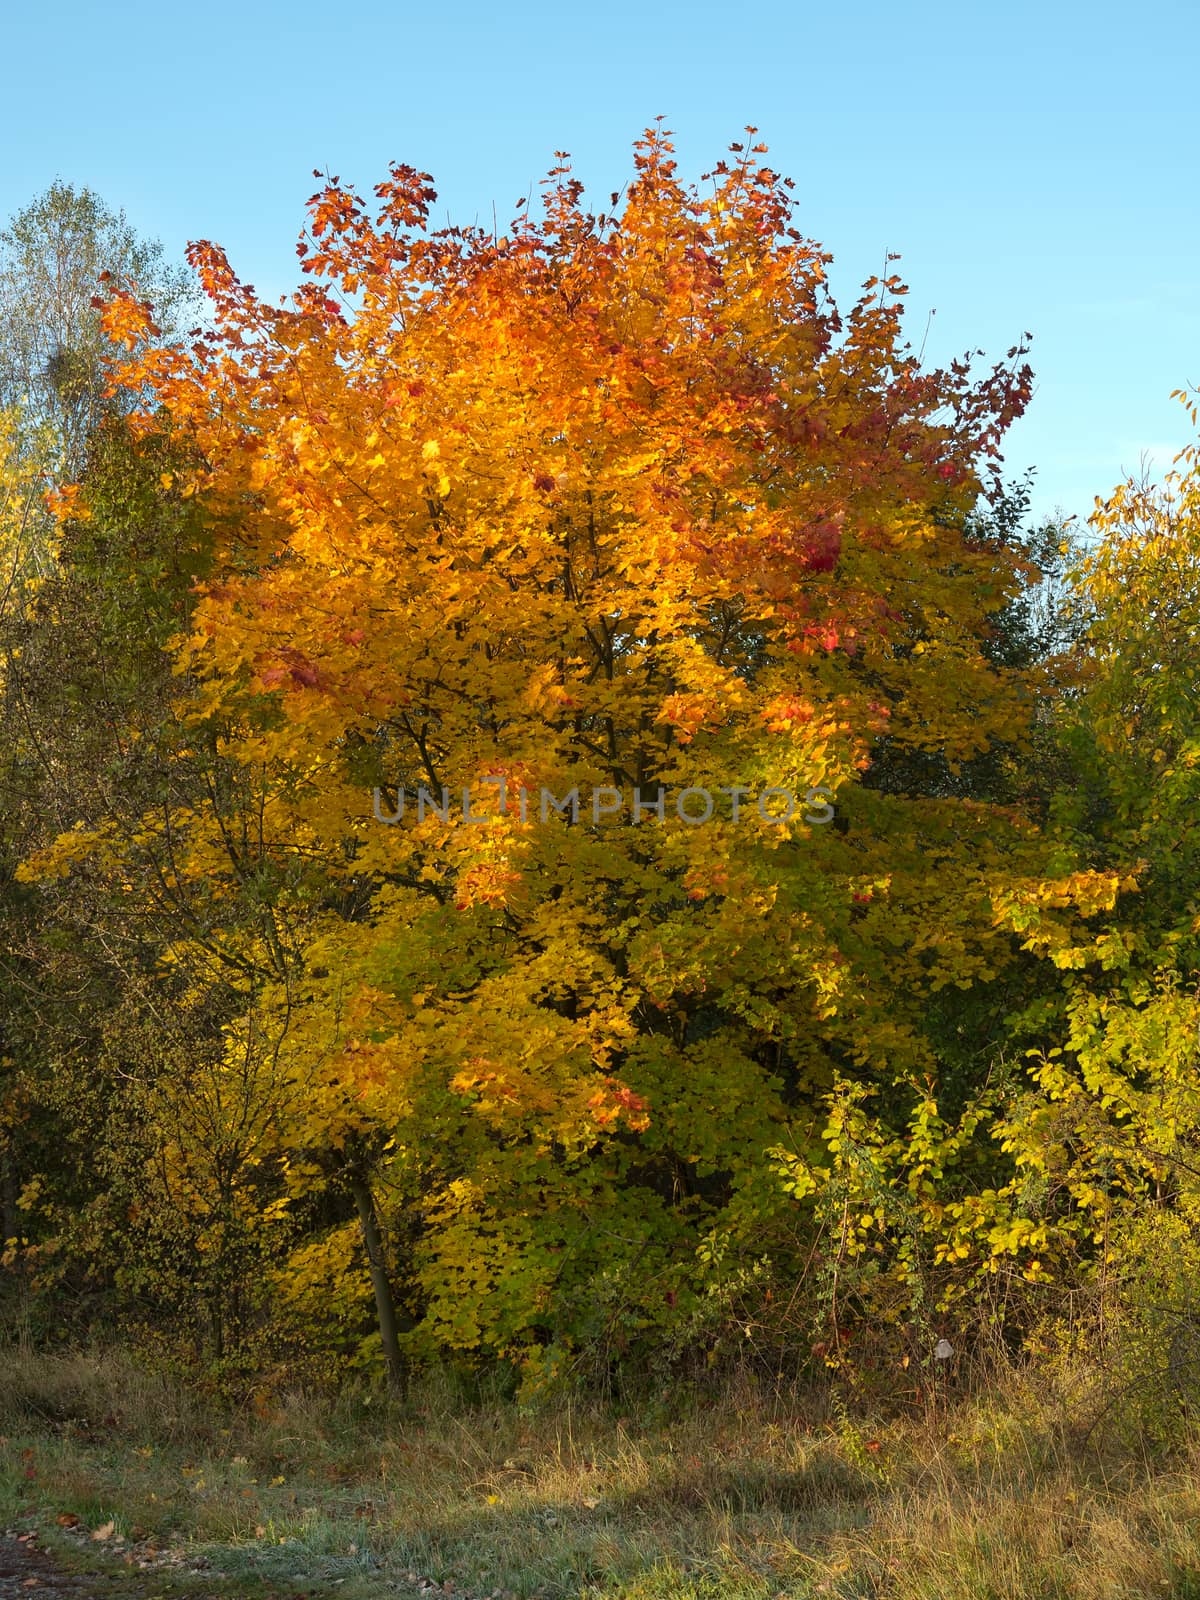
column 738, row 1497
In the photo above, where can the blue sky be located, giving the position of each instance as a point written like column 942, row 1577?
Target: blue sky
column 1034, row 164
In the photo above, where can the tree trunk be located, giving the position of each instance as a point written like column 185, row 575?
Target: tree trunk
column 385, row 1306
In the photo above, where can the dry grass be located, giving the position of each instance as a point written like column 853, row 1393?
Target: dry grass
column 741, row 1496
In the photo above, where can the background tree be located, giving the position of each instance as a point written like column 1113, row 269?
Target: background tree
column 82, row 671
column 53, row 256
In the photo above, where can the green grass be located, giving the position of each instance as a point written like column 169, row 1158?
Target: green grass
column 741, row 1496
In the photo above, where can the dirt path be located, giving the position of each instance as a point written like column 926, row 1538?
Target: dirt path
column 26, row 1570
column 32, row 1573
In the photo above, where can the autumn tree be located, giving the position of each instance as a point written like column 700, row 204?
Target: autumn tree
column 621, row 557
